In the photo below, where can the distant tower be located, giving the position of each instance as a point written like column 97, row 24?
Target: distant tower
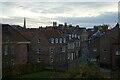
column 24, row 23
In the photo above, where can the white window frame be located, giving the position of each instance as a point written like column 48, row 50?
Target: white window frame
column 78, row 36
column 117, row 53
column 64, row 40
column 73, row 36
column 38, row 50
column 60, row 40
column 69, row 36
column 68, row 56
column 56, row 40
column 52, row 40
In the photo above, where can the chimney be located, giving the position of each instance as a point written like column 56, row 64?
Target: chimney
column 54, row 24
column 65, row 24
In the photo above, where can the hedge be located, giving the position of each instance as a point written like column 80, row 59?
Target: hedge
column 18, row 70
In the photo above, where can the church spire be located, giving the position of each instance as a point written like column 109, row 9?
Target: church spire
column 24, row 23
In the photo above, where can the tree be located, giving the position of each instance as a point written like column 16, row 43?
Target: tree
column 105, row 27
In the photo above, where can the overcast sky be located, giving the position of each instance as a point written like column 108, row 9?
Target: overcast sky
column 85, row 14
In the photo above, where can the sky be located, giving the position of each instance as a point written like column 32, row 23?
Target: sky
column 84, row 14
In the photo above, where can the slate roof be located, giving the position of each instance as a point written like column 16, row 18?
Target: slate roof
column 9, row 34
column 51, row 33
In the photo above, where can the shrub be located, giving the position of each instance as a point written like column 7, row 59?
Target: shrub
column 84, row 71
column 18, row 70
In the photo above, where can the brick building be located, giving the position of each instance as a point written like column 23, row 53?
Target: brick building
column 105, row 49
column 73, row 40
column 47, row 45
column 14, row 47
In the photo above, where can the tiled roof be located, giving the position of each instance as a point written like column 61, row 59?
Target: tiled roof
column 31, row 33
column 11, row 35
column 27, row 34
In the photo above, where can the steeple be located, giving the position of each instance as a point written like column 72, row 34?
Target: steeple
column 24, row 23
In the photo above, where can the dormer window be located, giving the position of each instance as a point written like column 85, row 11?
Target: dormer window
column 60, row 40
column 69, row 36
column 64, row 40
column 39, row 40
column 56, row 40
column 52, row 40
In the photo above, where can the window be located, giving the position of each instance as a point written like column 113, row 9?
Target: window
column 39, row 59
column 72, row 35
column 6, row 50
column 77, row 53
column 72, row 56
column 75, row 36
column 76, row 44
column 94, row 49
column 105, row 50
column 71, row 45
column 60, row 40
column 51, row 59
column 39, row 50
column 12, row 61
column 78, row 36
column 117, row 53
column 39, row 40
column 52, row 40
column 51, row 50
column 62, row 49
column 93, row 60
column 64, row 40
column 69, row 36
column 68, row 56
column 56, row 40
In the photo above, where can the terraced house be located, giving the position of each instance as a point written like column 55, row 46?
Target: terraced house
column 105, row 48
column 73, row 37
column 47, row 45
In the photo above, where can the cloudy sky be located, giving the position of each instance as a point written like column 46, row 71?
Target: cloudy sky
column 85, row 14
